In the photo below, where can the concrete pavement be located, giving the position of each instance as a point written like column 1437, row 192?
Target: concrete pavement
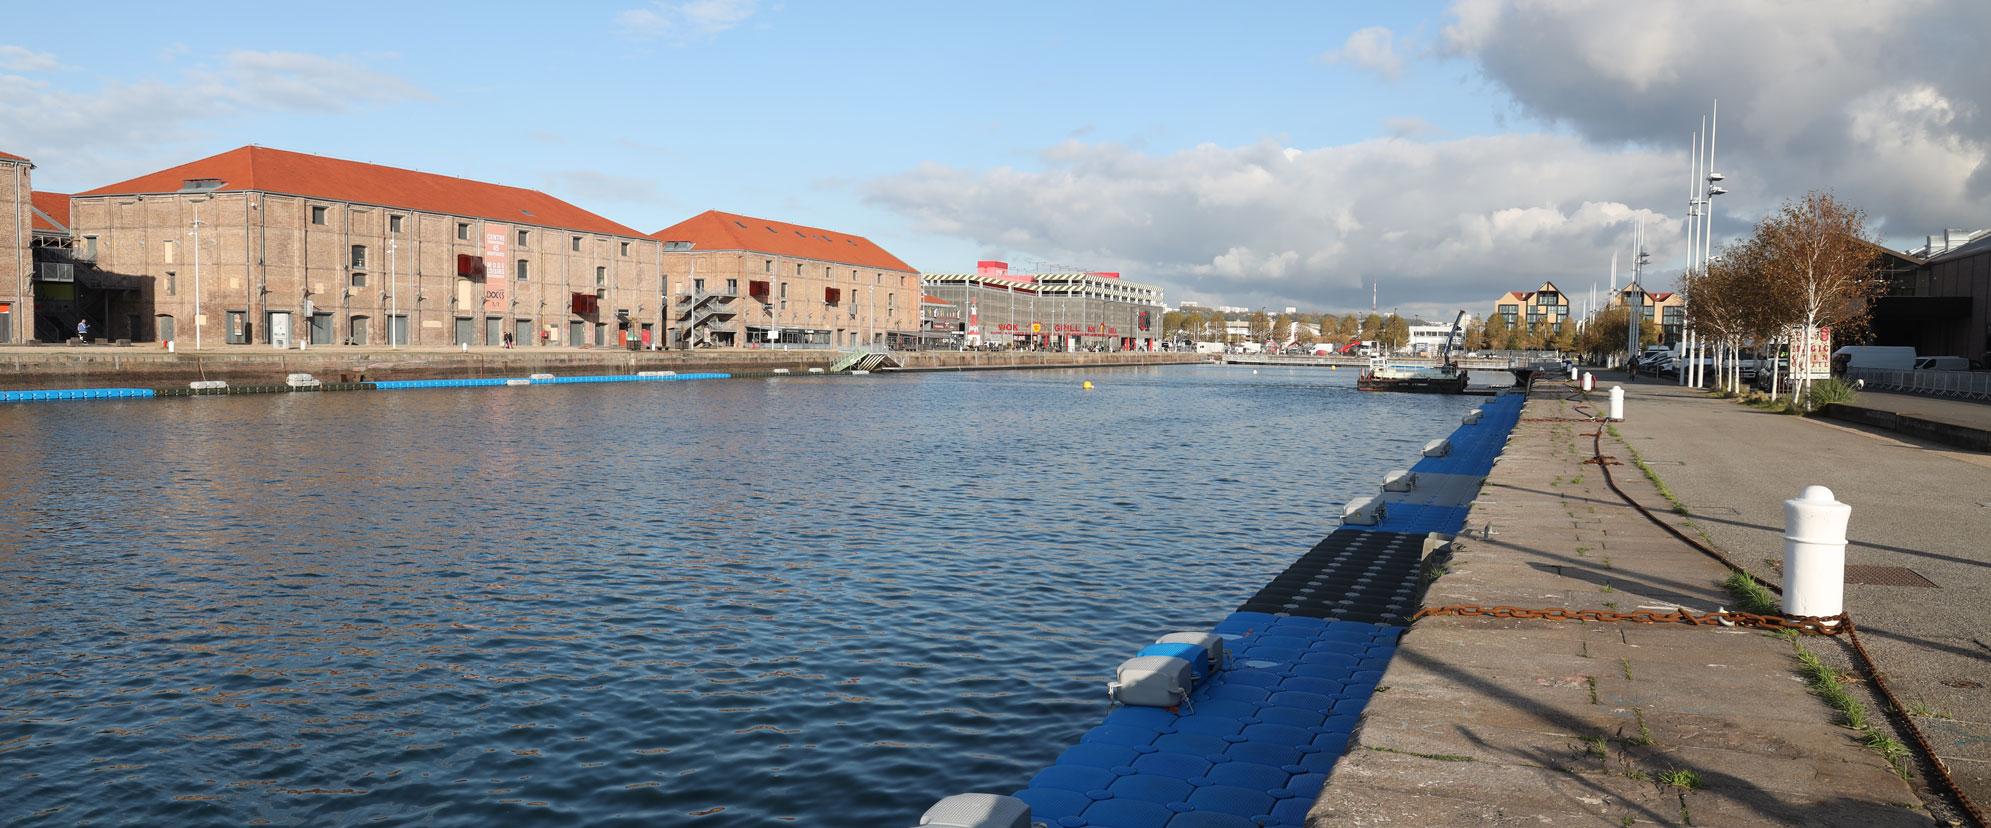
column 1916, row 506
column 1482, row 721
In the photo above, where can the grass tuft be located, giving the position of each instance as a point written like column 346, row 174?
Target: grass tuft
column 1685, row 780
column 1828, row 686
column 1752, row 596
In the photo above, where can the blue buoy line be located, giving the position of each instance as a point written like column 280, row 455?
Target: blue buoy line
column 1254, row 741
column 58, row 394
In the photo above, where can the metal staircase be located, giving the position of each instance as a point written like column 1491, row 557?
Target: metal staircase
column 701, row 314
column 867, row 359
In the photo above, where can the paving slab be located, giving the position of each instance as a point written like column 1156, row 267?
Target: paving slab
column 1482, row 721
column 1916, row 505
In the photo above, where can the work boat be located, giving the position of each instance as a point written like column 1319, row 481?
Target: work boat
column 1443, row 378
column 1415, row 379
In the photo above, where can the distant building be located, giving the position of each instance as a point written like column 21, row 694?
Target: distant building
column 1667, row 308
column 739, row 280
column 1051, row 311
column 1938, row 298
column 1522, row 309
column 270, row 247
column 1430, row 337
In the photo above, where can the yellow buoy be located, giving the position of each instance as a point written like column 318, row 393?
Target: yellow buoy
column 1088, row 385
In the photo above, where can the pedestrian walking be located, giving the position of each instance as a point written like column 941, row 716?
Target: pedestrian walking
column 83, row 330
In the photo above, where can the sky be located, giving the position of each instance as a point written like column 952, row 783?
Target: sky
column 1263, row 155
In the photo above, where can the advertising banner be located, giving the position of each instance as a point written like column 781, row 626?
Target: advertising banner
column 1811, row 356
column 497, row 267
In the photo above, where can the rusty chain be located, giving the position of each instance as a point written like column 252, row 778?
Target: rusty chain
column 1816, row 625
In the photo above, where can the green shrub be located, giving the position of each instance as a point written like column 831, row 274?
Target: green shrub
column 1827, row 391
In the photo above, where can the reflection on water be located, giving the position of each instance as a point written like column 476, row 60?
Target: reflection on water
column 740, row 603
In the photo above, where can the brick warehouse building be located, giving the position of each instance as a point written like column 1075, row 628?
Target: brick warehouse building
column 297, row 248
column 16, row 248
column 741, row 281
column 1050, row 311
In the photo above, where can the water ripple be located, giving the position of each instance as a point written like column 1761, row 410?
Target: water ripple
column 740, row 603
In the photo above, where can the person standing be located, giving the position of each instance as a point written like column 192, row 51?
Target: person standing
column 83, row 330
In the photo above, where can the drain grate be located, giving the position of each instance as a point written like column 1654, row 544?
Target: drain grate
column 1900, row 576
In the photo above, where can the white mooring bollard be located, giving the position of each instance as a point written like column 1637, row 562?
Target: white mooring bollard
column 1572, row 373
column 1617, row 404
column 1815, row 553
column 1589, row 381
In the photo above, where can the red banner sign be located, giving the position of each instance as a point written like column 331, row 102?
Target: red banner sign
column 497, row 270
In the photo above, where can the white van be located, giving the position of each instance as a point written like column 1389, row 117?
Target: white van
column 1942, row 363
column 1896, row 357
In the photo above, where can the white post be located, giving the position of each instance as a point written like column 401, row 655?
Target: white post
column 1572, row 373
column 1617, row 404
column 1815, row 553
column 1589, row 381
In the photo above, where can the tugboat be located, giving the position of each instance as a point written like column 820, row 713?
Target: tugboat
column 1444, row 378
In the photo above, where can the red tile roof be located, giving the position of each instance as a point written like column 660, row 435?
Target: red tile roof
column 333, row 179
column 51, row 212
column 713, row 230
column 12, row 157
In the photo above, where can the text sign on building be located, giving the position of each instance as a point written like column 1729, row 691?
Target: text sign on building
column 497, row 271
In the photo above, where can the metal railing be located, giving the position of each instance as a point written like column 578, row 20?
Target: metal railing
column 1960, row 385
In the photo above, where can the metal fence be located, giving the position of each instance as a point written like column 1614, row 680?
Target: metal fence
column 1961, row 385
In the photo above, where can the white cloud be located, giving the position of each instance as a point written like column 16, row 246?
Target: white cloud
column 1442, row 224
column 22, row 59
column 685, row 20
column 1373, row 48
column 1883, row 103
column 123, row 128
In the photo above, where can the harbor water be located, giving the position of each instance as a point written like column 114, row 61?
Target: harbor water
column 805, row 600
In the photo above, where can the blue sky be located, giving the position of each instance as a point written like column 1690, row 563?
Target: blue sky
column 1144, row 137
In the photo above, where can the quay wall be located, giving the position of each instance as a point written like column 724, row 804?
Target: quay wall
column 32, row 368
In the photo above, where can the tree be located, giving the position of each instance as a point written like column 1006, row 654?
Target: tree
column 1564, row 337
column 1393, row 333
column 1372, row 326
column 1261, row 325
column 1473, row 334
column 1817, row 269
column 1493, row 335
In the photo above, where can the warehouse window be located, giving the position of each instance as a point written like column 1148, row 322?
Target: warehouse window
column 576, row 245
column 522, row 237
column 393, row 224
column 463, row 230
column 601, row 276
column 318, row 214
column 522, row 269
column 625, row 248
column 359, row 256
